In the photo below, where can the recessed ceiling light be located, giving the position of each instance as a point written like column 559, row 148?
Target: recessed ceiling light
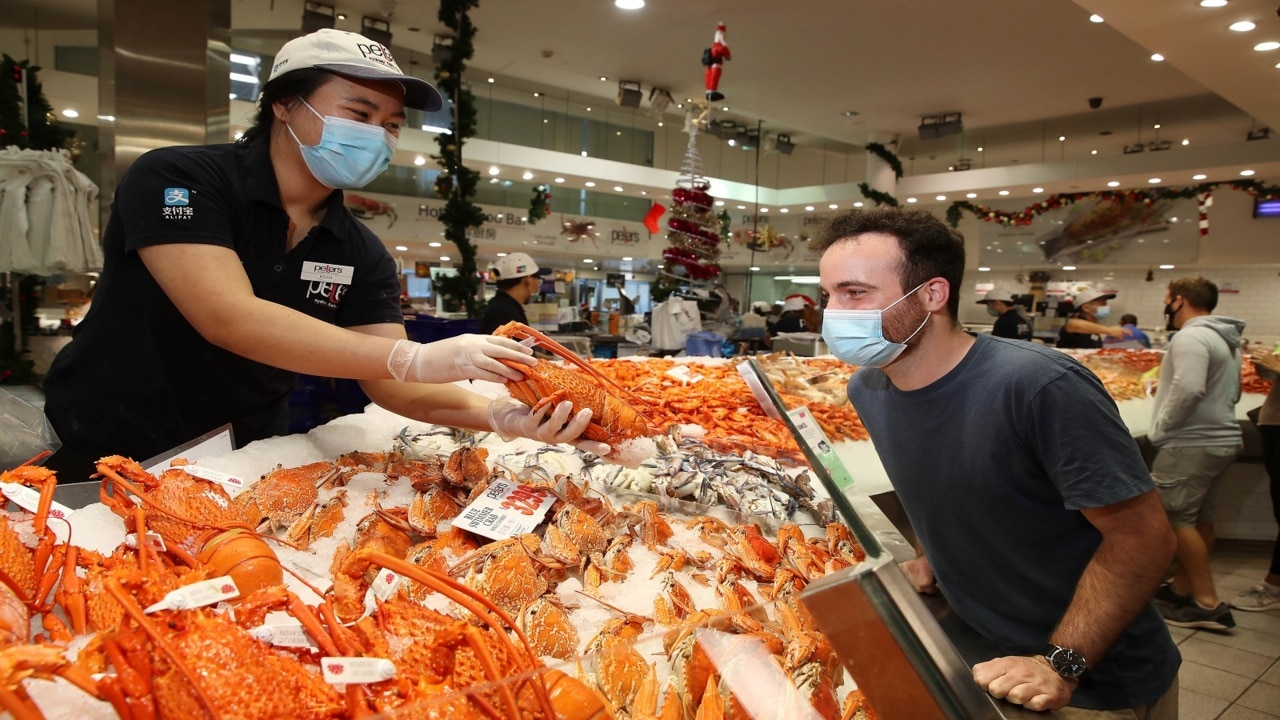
column 627, row 258
column 1037, row 190
column 587, row 260
column 584, row 153
column 1114, row 183
column 1199, row 176
column 1157, row 57
column 1186, row 141
column 1156, row 126
column 971, row 195
column 604, row 79
column 1003, row 192
column 785, row 210
column 1166, row 267
column 445, row 258
column 527, row 175
column 979, row 149
column 1242, row 26
column 858, row 204
column 1267, row 46
column 402, row 248
column 490, row 79
column 71, row 113
column 617, row 188
column 628, row 4
column 589, row 183
column 725, row 108
column 1095, row 18
column 1246, row 173
column 559, row 180
column 911, row 200
column 984, row 269
column 419, row 161
column 832, row 206
column 1154, row 181
column 1213, row 3
column 940, row 198
column 808, row 208
column 755, row 268
column 1068, row 267
column 588, row 109
column 493, row 170
column 646, row 192
column 764, row 210
column 537, row 94
column 659, row 123
column 1093, row 152
column 849, row 113
column 502, row 254
column 1062, row 138
column 742, row 207
column 342, row 16
column 433, row 244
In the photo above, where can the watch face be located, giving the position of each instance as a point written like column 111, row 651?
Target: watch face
column 1067, row 662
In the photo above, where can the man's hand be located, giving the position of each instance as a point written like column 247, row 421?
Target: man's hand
column 920, row 573
column 1026, row 681
column 511, row 419
column 1266, row 359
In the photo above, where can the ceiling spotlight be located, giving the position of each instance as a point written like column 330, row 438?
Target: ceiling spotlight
column 984, row 269
column 1134, row 148
column 971, row 195
column 627, row 259
column 755, row 268
column 1154, row 181
column 1267, row 46
column 1247, row 173
column 1037, row 190
column 589, row 183
column 808, row 208
column 940, row 198
column 911, row 200
column 1003, row 192
column 1166, row 267
column 1095, row 18
column 628, row 4
column 1199, row 176
column 559, row 180
column 1114, row 183
column 527, row 175
column 402, row 248
column 433, row 244
column 1062, row 138
column 493, row 170
column 1242, row 26
column 445, row 258
column 1213, row 3
column 1157, row 57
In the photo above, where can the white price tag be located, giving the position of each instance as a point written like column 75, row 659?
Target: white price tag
column 28, row 499
column 684, row 374
column 283, row 635
column 348, row 670
column 384, row 586
column 505, row 510
column 206, row 592
column 212, row 475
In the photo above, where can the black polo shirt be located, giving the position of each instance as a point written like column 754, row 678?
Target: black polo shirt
column 1079, row 341
column 501, row 310
column 1012, row 325
column 137, row 379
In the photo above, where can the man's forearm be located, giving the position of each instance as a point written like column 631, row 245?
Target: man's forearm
column 1137, row 547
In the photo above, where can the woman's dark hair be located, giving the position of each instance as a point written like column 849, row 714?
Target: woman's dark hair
column 929, row 247
column 295, row 83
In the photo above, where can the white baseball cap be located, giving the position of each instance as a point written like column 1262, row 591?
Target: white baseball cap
column 796, row 302
column 517, row 265
column 353, row 55
column 1087, row 293
column 999, row 293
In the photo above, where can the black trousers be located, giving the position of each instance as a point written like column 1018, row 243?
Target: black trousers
column 1271, row 459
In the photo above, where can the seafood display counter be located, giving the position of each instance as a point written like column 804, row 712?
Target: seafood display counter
column 619, row 604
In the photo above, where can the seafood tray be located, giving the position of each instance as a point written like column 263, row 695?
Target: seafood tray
column 620, row 604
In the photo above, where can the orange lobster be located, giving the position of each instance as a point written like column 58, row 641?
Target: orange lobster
column 616, row 412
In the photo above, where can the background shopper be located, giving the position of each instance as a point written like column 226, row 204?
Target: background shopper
column 1266, row 595
column 1044, row 532
column 1195, row 430
column 231, row 268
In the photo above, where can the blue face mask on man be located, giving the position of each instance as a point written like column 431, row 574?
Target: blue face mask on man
column 350, row 153
column 857, row 336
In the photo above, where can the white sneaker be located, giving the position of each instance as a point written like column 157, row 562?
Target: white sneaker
column 1256, row 599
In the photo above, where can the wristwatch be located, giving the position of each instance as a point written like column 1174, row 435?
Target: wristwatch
column 1066, row 662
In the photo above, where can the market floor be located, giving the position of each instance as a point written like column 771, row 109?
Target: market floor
column 1233, row 676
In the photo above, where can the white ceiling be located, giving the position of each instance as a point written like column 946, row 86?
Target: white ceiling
column 1020, row 71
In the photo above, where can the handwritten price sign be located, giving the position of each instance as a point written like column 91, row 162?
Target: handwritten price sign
column 505, row 510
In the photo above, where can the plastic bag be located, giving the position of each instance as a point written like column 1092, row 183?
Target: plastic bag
column 24, row 431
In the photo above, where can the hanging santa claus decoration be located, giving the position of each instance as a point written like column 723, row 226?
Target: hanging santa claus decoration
column 713, row 58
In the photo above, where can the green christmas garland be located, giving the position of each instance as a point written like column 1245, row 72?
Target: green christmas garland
column 955, row 211
column 886, row 155
column 539, row 204
column 457, row 183
column 876, row 196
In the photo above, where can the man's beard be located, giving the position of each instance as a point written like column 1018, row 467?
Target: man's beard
column 900, row 321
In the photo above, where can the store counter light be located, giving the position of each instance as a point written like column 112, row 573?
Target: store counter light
column 799, row 279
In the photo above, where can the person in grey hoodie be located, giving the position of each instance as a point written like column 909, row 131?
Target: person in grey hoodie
column 1197, row 437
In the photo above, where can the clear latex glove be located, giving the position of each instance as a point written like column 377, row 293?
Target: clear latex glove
column 465, row 357
column 511, row 419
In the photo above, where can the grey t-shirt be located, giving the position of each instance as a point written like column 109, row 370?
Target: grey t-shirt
column 993, row 463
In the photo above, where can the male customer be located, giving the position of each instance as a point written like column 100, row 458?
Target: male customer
column 1195, row 430
column 519, row 278
column 1009, row 322
column 1043, row 531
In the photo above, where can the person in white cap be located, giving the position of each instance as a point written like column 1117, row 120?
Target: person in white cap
column 519, row 279
column 1082, row 329
column 1009, row 322
column 230, row 269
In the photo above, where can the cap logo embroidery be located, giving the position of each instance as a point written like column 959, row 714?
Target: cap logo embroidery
column 376, row 52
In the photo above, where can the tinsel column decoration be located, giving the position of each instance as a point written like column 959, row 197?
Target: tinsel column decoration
column 457, row 182
column 539, row 204
column 693, row 230
column 1204, row 201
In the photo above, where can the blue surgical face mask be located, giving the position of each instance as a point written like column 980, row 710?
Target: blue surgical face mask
column 1102, row 313
column 857, row 336
column 350, row 153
